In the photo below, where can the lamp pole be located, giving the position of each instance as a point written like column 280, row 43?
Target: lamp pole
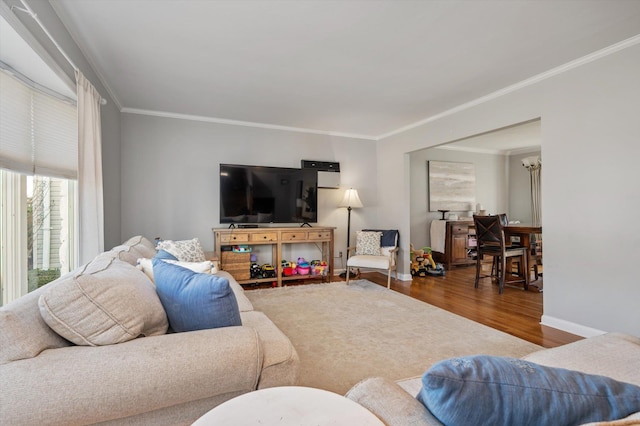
column 348, row 229
column 350, row 201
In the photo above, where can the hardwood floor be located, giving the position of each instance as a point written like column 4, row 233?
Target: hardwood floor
column 516, row 312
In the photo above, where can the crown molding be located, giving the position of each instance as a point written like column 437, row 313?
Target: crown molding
column 451, row 146
column 241, row 123
column 517, row 86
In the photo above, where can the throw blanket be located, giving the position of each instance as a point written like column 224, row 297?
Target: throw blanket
column 438, row 230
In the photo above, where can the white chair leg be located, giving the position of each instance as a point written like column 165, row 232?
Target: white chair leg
column 389, row 279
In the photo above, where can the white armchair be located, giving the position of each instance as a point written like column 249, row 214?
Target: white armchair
column 375, row 249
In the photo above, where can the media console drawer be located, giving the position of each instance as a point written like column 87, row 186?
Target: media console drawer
column 294, row 236
column 319, row 235
column 233, row 237
column 264, row 236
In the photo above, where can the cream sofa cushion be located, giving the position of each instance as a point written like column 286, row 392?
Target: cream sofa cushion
column 615, row 355
column 244, row 304
column 106, row 302
column 132, row 250
column 23, row 332
column 141, row 245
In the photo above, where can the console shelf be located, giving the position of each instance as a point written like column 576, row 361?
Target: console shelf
column 276, row 237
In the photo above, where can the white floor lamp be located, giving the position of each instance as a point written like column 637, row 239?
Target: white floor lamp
column 350, row 201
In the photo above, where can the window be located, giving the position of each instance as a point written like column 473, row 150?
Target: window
column 37, row 228
column 38, row 168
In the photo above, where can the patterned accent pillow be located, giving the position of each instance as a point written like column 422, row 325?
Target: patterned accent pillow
column 184, row 250
column 368, row 242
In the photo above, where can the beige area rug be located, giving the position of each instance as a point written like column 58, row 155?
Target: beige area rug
column 344, row 334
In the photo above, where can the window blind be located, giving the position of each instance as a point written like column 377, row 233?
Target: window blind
column 38, row 133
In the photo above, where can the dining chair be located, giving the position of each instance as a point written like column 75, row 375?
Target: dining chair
column 491, row 242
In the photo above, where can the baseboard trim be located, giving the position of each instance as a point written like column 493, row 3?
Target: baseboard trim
column 570, row 327
column 404, row 277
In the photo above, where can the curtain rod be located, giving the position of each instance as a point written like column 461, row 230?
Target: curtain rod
column 27, row 9
column 4, row 67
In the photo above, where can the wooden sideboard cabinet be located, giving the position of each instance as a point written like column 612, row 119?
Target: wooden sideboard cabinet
column 459, row 247
column 276, row 238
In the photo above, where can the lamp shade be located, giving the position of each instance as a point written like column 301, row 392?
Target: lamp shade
column 351, row 199
column 531, row 161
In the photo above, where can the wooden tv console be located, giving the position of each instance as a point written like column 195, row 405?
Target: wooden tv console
column 276, row 237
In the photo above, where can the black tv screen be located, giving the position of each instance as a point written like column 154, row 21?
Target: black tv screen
column 258, row 194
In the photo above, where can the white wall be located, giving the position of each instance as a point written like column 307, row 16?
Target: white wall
column 590, row 190
column 491, row 189
column 170, row 174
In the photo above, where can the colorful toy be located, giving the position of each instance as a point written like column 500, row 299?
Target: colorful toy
column 303, row 267
column 318, row 267
column 268, row 271
column 422, row 263
column 255, row 271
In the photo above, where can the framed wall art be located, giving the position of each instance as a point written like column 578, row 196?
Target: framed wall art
column 452, row 186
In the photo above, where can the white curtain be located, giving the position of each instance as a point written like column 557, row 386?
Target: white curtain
column 90, row 198
column 534, row 165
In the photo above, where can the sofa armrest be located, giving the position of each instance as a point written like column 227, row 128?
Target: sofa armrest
column 614, row 355
column 82, row 384
column 390, row 403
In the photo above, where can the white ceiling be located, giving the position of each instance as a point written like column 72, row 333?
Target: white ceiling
column 364, row 68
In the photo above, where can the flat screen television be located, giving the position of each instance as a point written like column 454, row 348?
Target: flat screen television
column 259, row 194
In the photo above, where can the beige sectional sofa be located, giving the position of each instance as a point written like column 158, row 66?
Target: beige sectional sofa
column 163, row 378
column 615, row 355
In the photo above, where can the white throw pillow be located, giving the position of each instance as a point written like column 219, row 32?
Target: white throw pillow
column 184, row 250
column 368, row 242
column 386, row 251
column 206, row 267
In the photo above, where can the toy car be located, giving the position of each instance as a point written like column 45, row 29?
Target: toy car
column 255, row 271
column 268, row 271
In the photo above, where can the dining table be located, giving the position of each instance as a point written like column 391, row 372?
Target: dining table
column 524, row 231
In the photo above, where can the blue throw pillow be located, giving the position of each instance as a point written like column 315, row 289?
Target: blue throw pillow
column 492, row 390
column 195, row 301
column 163, row 254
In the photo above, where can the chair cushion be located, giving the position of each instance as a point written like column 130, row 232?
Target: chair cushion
column 485, row 389
column 106, row 302
column 369, row 261
column 368, row 242
column 195, row 301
